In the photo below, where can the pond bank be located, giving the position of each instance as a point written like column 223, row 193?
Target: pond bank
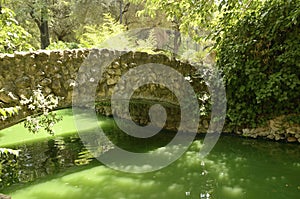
column 278, row 129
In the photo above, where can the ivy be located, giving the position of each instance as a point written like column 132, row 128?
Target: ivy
column 259, row 56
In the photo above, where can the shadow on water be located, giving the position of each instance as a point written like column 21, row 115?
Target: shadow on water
column 62, row 168
column 40, row 159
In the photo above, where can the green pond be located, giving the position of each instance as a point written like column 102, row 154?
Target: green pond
column 60, row 167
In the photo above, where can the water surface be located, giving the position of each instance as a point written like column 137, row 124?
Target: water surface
column 61, row 167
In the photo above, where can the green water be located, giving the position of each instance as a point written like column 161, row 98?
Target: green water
column 61, row 168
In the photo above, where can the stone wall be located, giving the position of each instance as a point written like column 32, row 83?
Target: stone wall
column 279, row 129
column 57, row 72
column 20, row 73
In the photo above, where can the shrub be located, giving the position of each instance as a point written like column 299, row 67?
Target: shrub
column 259, row 57
column 95, row 35
column 12, row 36
column 59, row 45
column 9, row 167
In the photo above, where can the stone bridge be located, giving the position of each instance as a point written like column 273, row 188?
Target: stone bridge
column 59, row 72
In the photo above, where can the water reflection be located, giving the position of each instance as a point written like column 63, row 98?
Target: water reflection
column 236, row 168
column 40, row 159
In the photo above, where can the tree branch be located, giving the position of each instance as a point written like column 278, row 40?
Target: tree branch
column 31, row 13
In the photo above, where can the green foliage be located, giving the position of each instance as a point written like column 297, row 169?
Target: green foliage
column 292, row 119
column 41, row 108
column 38, row 106
column 189, row 15
column 8, row 112
column 9, row 167
column 259, row 55
column 91, row 12
column 95, row 35
column 59, row 45
column 12, row 36
column 148, row 44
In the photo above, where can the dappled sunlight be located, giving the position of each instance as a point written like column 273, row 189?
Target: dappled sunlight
column 232, row 192
column 219, row 175
column 235, row 168
column 189, row 173
column 97, row 182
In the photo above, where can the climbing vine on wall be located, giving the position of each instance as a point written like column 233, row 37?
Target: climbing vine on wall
column 259, row 57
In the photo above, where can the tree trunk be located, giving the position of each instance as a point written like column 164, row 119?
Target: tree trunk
column 44, row 33
column 177, row 42
column 0, row 8
column 177, row 37
column 121, row 11
column 44, row 27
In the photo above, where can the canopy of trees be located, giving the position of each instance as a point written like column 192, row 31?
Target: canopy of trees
column 66, row 21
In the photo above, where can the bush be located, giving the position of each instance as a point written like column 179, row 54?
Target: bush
column 259, row 57
column 95, row 35
column 12, row 36
column 9, row 167
column 59, row 45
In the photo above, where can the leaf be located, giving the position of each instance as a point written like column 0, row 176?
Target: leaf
column 3, row 112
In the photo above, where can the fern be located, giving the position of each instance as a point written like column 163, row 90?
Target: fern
column 95, row 35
